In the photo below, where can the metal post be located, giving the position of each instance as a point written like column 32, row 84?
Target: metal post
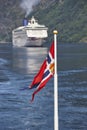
column 56, row 124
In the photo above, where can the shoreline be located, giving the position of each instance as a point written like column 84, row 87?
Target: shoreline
column 5, row 42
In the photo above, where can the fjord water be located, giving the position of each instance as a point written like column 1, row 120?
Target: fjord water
column 18, row 66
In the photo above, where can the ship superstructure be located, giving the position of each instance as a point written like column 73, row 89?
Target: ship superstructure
column 30, row 34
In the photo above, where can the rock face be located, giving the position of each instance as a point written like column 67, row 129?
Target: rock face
column 68, row 16
column 10, row 12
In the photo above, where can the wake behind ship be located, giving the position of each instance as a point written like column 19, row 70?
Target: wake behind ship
column 30, row 34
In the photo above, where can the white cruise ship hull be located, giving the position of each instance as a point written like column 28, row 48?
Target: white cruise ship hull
column 32, row 34
column 23, row 40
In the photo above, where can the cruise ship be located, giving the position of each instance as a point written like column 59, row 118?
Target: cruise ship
column 30, row 34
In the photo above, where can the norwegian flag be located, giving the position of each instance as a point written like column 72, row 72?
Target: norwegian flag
column 45, row 73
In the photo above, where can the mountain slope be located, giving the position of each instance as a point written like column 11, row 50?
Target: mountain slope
column 69, row 17
column 10, row 17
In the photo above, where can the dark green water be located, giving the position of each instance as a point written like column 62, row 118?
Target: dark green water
column 17, row 69
column 72, row 86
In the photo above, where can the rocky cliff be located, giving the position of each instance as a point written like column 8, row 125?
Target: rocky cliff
column 69, row 17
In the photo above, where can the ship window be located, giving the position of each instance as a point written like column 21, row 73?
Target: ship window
column 33, row 22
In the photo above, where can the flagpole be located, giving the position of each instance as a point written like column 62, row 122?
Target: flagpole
column 56, row 124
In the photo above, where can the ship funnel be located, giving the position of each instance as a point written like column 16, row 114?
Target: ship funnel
column 25, row 22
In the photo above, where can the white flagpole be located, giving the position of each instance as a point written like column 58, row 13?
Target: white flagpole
column 56, row 124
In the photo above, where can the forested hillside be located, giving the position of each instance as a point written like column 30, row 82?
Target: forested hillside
column 10, row 17
column 69, row 17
